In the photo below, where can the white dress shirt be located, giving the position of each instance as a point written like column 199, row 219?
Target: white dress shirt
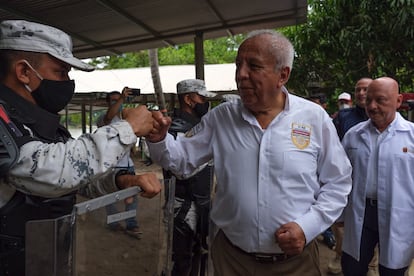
column 295, row 170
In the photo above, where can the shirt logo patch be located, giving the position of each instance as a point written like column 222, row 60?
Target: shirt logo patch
column 301, row 135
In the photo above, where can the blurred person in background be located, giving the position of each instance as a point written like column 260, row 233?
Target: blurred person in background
column 125, row 166
column 192, row 194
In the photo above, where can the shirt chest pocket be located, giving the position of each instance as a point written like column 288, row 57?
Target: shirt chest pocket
column 294, row 164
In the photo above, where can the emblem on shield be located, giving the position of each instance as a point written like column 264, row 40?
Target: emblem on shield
column 301, row 135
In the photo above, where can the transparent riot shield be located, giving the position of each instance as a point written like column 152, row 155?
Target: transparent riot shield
column 166, row 235
column 82, row 244
column 49, row 247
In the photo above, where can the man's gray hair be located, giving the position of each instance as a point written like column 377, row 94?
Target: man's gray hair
column 281, row 48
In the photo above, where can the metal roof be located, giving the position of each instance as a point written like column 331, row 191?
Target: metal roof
column 105, row 27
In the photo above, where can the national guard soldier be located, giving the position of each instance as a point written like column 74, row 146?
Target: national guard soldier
column 42, row 166
column 192, row 195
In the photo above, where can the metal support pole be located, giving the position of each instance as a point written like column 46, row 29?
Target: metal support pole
column 199, row 55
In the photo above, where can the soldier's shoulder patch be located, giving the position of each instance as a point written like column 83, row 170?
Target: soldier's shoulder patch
column 301, row 135
column 193, row 131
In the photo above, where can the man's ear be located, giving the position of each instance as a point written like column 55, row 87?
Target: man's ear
column 187, row 99
column 21, row 70
column 399, row 100
column 284, row 76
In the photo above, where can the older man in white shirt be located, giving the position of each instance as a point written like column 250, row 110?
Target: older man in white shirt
column 282, row 174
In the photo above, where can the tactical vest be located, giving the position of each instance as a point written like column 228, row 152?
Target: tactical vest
column 9, row 151
column 194, row 189
column 16, row 130
column 197, row 187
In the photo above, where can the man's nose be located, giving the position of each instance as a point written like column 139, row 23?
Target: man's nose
column 242, row 72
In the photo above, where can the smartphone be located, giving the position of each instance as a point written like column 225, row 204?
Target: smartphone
column 135, row 91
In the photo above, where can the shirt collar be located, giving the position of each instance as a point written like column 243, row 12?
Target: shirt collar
column 287, row 102
column 248, row 116
column 390, row 127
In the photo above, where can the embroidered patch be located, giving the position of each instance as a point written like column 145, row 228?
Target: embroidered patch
column 193, row 131
column 301, row 135
column 407, row 150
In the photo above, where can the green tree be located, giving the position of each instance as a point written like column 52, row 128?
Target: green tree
column 344, row 40
column 221, row 50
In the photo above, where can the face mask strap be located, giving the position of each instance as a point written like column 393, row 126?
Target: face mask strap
column 31, row 67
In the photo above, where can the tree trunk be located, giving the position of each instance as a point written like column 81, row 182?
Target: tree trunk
column 156, row 80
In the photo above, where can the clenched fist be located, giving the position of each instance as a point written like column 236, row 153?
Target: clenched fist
column 140, row 119
column 148, row 182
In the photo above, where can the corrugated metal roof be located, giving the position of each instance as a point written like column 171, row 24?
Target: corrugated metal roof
column 104, row 27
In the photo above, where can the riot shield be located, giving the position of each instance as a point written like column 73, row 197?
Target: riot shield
column 81, row 243
column 202, row 198
column 168, row 224
column 49, row 247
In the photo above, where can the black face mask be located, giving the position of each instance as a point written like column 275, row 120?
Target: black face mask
column 201, row 109
column 54, row 95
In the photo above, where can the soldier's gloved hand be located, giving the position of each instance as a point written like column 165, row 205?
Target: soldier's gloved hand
column 148, row 182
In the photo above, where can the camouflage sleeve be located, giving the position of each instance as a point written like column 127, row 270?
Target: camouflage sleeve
column 51, row 170
column 98, row 186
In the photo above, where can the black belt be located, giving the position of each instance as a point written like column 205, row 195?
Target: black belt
column 372, row 202
column 262, row 257
column 269, row 258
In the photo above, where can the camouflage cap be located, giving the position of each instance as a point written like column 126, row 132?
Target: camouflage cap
column 233, row 98
column 194, row 86
column 28, row 36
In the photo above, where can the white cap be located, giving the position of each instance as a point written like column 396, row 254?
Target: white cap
column 344, row 96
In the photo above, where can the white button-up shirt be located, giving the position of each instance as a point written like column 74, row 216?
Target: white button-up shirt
column 295, row 170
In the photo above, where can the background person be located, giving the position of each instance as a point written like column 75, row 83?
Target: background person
column 344, row 101
column 192, row 194
column 115, row 101
column 346, row 119
column 279, row 184
column 320, row 99
column 380, row 208
column 349, row 117
column 44, row 166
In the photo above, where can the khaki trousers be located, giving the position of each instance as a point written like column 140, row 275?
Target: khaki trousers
column 229, row 260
